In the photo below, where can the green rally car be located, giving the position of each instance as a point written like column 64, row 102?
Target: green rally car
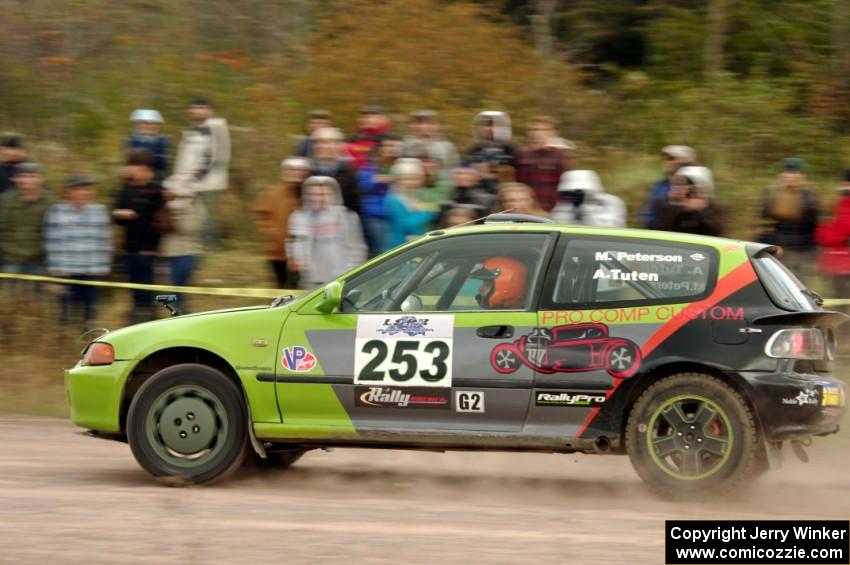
column 698, row 357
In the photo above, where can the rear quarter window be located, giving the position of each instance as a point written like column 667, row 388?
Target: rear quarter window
column 617, row 272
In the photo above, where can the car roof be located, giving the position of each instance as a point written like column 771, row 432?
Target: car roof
column 506, row 227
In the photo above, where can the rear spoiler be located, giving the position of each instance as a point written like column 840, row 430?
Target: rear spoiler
column 824, row 318
column 754, row 248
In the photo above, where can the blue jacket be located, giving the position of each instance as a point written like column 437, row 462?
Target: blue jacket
column 372, row 194
column 404, row 222
column 158, row 145
column 657, row 197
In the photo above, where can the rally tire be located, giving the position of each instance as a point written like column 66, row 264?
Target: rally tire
column 188, row 425
column 691, row 435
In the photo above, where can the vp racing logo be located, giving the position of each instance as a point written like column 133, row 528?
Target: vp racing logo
column 297, row 359
column 408, row 325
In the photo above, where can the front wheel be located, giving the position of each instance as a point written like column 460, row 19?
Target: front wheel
column 187, row 424
column 692, row 435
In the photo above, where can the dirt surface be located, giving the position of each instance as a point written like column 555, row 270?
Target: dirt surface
column 68, row 498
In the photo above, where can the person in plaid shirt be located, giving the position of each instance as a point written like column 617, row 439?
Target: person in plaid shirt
column 539, row 165
column 78, row 244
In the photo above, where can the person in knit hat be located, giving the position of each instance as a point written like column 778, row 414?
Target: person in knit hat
column 790, row 213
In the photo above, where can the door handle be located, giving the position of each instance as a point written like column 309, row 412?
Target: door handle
column 496, row 332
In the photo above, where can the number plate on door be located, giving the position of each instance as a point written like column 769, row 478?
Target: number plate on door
column 404, row 350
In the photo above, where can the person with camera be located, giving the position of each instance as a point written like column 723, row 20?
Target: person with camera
column 690, row 205
column 493, row 155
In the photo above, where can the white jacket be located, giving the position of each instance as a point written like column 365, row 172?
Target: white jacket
column 203, row 158
column 598, row 208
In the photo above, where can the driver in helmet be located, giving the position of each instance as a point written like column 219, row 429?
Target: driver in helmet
column 503, row 281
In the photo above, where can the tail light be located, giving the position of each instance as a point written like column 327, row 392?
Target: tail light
column 98, row 353
column 797, row 343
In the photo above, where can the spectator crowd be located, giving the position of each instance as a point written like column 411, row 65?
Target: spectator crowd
column 340, row 201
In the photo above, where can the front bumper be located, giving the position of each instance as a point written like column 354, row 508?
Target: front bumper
column 797, row 405
column 94, row 394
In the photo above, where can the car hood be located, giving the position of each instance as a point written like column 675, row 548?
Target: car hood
column 215, row 331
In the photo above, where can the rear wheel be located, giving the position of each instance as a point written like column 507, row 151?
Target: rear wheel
column 188, row 425
column 692, row 435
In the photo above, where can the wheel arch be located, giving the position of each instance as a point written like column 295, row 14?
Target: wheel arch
column 732, row 379
column 163, row 358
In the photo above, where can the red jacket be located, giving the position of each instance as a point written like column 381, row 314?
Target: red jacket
column 834, row 237
column 361, row 146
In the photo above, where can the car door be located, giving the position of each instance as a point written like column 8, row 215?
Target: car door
column 603, row 306
column 412, row 348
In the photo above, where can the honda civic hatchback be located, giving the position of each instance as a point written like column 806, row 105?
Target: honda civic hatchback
column 697, row 357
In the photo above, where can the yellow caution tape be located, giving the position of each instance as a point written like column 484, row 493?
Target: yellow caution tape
column 247, row 292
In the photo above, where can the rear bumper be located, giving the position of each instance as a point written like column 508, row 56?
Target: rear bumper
column 797, row 405
column 94, row 395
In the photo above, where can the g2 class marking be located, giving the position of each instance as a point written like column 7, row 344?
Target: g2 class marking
column 469, row 401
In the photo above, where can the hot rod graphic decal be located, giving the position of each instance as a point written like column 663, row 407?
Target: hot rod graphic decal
column 569, row 349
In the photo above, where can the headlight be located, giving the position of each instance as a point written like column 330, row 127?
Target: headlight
column 98, row 353
column 798, row 343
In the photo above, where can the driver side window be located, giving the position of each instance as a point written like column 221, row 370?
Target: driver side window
column 462, row 273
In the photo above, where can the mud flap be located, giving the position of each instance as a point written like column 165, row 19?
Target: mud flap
column 773, row 449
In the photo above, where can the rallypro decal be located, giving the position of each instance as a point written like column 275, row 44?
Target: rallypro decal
column 576, row 398
column 643, row 314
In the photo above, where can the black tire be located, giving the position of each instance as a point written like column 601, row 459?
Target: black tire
column 691, row 435
column 187, row 425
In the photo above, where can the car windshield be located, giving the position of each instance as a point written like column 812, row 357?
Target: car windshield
column 784, row 288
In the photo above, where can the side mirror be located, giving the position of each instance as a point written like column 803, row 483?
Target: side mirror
column 331, row 298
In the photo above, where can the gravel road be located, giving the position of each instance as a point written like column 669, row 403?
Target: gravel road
column 68, row 498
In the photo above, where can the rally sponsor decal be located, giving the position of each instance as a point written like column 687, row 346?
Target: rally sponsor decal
column 297, row 359
column 402, row 397
column 410, row 326
column 643, row 314
column 404, row 350
column 469, row 401
column 569, row 349
column 808, row 397
column 574, row 398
